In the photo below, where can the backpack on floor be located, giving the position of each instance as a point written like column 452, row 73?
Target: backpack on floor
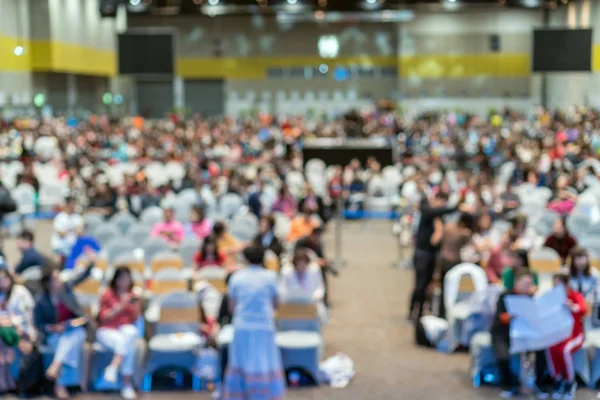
column 31, row 380
column 430, row 331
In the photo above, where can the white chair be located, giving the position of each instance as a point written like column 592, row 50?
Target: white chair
column 24, row 196
column 189, row 196
column 230, row 204
column 188, row 249
column 244, row 227
column 151, row 215
column 123, row 221
column 459, row 283
column 315, row 166
column 578, row 225
column 153, row 246
column 215, row 276
column 591, row 243
column 51, row 195
column 138, row 234
column 118, row 246
column 93, row 221
column 106, row 233
column 174, row 171
column 167, row 281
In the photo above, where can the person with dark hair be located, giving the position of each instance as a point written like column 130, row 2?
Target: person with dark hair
column 210, row 254
column 455, row 236
column 16, row 325
column 561, row 355
column 582, row 279
column 60, row 321
column 520, row 261
column 254, row 369
column 285, row 203
column 266, row 236
column 500, row 333
column 227, row 243
column 560, row 239
column 199, row 225
column 30, row 257
column 302, row 225
column 120, row 308
column 426, row 250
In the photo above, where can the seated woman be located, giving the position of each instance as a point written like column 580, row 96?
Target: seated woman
column 584, row 278
column 169, row 229
column 16, row 325
column 227, row 243
column 560, row 239
column 119, row 310
column 60, row 321
column 285, row 203
column 561, row 354
column 500, row 258
column 210, row 254
column 500, row 333
column 199, row 225
column 520, row 261
column 303, row 280
column 266, row 237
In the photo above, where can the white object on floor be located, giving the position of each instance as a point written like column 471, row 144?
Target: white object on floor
column 337, row 370
column 128, row 393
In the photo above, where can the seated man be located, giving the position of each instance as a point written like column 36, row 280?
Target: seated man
column 65, row 223
column 302, row 225
column 30, row 257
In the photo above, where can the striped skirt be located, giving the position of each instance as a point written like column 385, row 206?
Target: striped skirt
column 254, row 370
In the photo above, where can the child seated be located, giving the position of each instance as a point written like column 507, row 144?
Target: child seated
column 560, row 358
column 500, row 332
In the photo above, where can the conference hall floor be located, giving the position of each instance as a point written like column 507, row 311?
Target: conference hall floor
column 369, row 301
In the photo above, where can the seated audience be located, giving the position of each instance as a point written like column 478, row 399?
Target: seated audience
column 560, row 239
column 102, row 198
column 169, row 229
column 285, row 203
column 119, row 310
column 561, row 355
column 254, row 202
column 227, row 243
column 484, row 239
column 30, row 257
column 16, row 326
column 65, row 224
column 60, row 321
column 302, row 280
column 266, row 237
column 584, row 278
column 500, row 333
column 199, row 225
column 315, row 203
column 82, row 242
column 520, row 262
column 302, row 225
column 500, row 257
column 210, row 254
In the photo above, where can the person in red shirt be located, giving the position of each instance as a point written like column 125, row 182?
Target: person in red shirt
column 210, row 254
column 119, row 310
column 560, row 356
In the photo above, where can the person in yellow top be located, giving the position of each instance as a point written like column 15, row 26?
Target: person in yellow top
column 302, row 225
column 228, row 244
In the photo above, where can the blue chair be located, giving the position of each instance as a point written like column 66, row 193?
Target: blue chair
column 176, row 340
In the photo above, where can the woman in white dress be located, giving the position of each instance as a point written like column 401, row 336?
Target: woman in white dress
column 302, row 280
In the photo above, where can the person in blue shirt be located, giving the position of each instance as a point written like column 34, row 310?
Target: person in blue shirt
column 30, row 257
column 254, row 202
column 83, row 242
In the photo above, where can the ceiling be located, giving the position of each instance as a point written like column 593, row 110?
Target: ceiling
column 201, row 7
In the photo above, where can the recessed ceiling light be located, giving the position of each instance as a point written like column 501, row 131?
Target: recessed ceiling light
column 292, row 2
column 19, row 50
column 371, row 1
column 213, row 2
column 135, row 2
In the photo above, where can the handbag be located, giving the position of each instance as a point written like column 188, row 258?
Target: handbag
column 7, row 203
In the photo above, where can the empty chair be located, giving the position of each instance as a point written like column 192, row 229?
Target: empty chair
column 151, row 216
column 123, row 222
column 315, row 166
column 189, row 196
column 578, row 225
column 163, row 260
column 545, row 260
column 51, row 195
column 176, row 338
column 153, row 246
column 591, row 244
column 135, row 265
column 188, row 250
column 104, row 234
column 244, row 227
column 138, row 234
column 230, row 204
column 24, row 196
column 215, row 276
column 168, row 280
column 118, row 246
column 93, row 221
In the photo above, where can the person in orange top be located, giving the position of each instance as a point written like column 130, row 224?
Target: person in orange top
column 227, row 244
column 302, row 225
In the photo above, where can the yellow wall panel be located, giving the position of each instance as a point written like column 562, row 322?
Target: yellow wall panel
column 596, row 57
column 8, row 61
column 436, row 66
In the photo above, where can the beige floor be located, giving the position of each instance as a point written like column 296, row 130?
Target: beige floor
column 369, row 305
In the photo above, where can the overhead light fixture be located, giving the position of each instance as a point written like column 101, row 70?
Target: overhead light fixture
column 135, row 2
column 213, row 2
column 19, row 50
column 323, row 68
column 452, row 1
column 371, row 1
column 292, row 2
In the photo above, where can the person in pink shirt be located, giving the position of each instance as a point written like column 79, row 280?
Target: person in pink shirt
column 199, row 225
column 169, row 229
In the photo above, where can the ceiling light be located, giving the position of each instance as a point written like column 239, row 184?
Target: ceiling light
column 135, row 2
column 213, row 2
column 292, row 2
column 323, row 68
column 452, row 1
column 371, row 1
column 19, row 50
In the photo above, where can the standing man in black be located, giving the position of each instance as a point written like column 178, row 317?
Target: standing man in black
column 426, row 251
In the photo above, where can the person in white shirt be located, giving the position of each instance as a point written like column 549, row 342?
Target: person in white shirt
column 65, row 228
column 303, row 280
